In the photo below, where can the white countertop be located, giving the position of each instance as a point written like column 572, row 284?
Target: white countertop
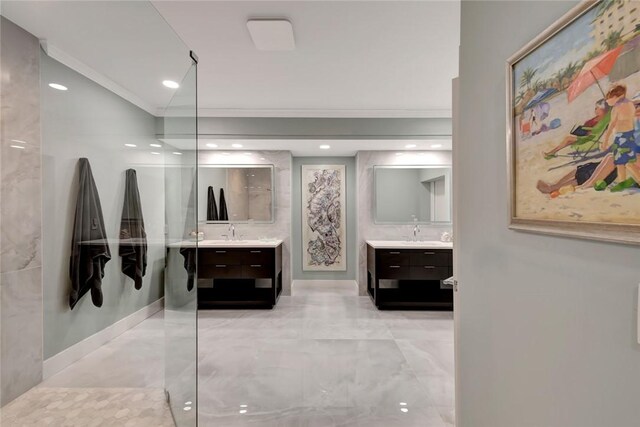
column 401, row 244
column 203, row 244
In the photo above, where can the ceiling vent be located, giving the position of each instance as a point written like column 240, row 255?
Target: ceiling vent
column 271, row 34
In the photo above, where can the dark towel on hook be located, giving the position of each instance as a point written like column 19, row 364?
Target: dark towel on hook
column 133, row 238
column 224, row 215
column 212, row 208
column 89, row 247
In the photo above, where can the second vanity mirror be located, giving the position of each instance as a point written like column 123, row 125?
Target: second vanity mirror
column 236, row 193
column 412, row 194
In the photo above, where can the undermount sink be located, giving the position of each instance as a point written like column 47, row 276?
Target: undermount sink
column 427, row 244
column 239, row 243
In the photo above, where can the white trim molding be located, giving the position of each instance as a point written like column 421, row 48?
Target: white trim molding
column 65, row 358
column 97, row 77
column 325, row 113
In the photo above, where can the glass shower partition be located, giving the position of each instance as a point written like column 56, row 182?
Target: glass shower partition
column 180, row 153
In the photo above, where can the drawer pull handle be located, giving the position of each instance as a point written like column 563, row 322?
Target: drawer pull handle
column 394, row 266
column 256, row 252
column 256, row 265
column 221, row 266
column 221, row 252
column 429, row 266
column 429, row 253
column 394, row 253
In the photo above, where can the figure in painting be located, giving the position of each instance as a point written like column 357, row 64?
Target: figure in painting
column 624, row 148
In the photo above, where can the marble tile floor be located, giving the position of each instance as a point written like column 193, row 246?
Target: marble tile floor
column 322, row 357
column 325, row 357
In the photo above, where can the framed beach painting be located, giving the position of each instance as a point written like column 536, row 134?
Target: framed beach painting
column 323, row 218
column 573, row 126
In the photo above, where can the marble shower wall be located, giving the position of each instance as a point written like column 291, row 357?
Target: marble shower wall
column 281, row 227
column 20, row 214
column 367, row 229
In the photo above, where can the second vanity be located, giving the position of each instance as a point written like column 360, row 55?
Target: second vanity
column 239, row 273
column 403, row 275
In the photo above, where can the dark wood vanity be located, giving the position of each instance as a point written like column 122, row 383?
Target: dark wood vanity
column 240, row 277
column 409, row 277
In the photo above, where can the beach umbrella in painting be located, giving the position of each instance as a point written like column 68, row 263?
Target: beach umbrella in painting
column 592, row 72
column 539, row 97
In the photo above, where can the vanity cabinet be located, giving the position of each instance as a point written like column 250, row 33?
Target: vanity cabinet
column 402, row 278
column 242, row 277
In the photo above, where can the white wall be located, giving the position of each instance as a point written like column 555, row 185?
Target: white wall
column 547, row 327
column 90, row 121
column 367, row 229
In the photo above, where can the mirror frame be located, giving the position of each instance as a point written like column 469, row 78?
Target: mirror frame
column 375, row 195
column 245, row 166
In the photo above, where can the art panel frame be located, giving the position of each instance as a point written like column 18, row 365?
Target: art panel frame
column 324, row 234
column 626, row 233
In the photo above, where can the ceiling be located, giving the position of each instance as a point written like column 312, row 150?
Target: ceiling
column 352, row 58
column 103, row 40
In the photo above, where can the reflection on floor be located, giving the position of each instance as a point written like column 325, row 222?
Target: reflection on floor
column 120, row 384
column 325, row 357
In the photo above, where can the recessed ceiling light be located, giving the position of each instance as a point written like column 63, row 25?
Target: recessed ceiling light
column 57, row 86
column 325, row 147
column 155, row 153
column 177, row 153
column 243, row 411
column 236, row 145
column 436, row 145
column 187, row 408
column 271, row 34
column 261, row 158
column 19, row 141
column 21, row 147
column 404, row 409
column 212, row 145
column 130, row 145
column 170, row 84
column 155, row 145
column 410, row 146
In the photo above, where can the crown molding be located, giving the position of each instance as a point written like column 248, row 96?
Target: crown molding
column 95, row 76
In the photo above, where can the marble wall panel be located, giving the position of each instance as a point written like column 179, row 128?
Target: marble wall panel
column 21, row 319
column 20, row 213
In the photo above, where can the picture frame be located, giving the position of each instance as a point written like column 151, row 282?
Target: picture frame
column 574, row 209
column 324, row 231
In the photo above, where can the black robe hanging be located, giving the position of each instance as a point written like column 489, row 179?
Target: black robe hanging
column 89, row 247
column 133, row 238
column 224, row 215
column 212, row 208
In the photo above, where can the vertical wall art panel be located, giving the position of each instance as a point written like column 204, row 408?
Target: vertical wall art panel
column 323, row 218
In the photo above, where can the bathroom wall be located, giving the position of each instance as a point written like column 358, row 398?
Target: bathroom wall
column 547, row 331
column 350, row 211
column 281, row 227
column 90, row 121
column 20, row 213
column 367, row 229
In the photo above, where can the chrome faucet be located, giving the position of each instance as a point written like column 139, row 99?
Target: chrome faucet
column 416, row 230
column 232, row 229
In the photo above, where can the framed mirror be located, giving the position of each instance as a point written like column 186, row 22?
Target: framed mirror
column 236, row 193
column 412, row 194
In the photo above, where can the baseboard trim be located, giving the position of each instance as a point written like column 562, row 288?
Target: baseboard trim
column 65, row 358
